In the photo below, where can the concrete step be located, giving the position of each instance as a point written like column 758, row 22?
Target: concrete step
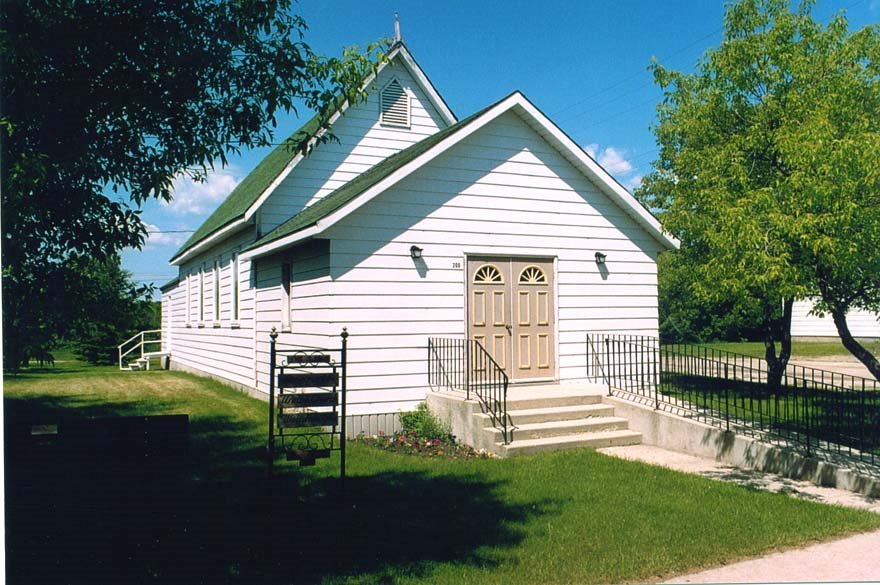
column 617, row 438
column 559, row 428
column 569, row 388
column 536, row 415
column 550, row 399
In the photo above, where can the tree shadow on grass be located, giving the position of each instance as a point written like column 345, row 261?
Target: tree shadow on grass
column 211, row 516
column 112, row 524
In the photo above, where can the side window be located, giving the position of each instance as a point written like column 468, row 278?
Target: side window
column 202, row 294
column 216, row 296
column 234, row 267
column 286, row 273
column 189, row 297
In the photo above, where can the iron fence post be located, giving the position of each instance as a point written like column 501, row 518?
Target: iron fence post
column 862, row 422
column 807, row 414
column 467, row 368
column 344, row 359
column 656, row 386
column 726, row 396
column 607, row 363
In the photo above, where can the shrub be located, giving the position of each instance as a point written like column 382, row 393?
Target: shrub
column 422, row 424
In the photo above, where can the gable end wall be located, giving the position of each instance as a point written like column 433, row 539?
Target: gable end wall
column 363, row 142
column 502, row 191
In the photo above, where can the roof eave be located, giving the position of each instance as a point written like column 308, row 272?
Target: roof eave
column 398, row 49
column 213, row 239
column 414, row 70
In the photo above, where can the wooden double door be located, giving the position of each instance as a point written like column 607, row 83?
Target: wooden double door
column 511, row 313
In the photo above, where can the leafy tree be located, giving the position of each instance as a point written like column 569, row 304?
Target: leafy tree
column 768, row 166
column 110, row 308
column 105, row 103
column 688, row 315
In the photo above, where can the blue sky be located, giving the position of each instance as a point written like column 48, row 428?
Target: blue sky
column 584, row 63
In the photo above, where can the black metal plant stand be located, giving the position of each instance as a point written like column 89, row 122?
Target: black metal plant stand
column 307, row 396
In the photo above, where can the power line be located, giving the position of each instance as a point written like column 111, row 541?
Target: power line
column 635, row 75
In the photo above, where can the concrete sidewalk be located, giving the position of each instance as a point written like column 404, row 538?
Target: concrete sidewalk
column 856, row 558
column 770, row 482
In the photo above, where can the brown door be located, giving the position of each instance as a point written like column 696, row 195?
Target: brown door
column 489, row 306
column 534, row 346
column 511, row 313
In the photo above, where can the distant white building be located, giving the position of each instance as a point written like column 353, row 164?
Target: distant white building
column 414, row 225
column 804, row 325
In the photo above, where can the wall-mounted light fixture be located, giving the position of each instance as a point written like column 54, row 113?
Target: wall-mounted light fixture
column 415, row 252
column 600, row 258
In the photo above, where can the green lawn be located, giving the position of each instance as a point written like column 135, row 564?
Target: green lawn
column 573, row 517
column 799, row 349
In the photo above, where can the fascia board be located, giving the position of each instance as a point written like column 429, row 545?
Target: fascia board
column 280, row 243
column 420, row 78
column 208, row 242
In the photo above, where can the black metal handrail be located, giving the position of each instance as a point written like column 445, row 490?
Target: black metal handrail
column 464, row 365
column 818, row 411
column 594, row 363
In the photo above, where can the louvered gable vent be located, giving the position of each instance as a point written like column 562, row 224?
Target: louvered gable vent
column 394, row 105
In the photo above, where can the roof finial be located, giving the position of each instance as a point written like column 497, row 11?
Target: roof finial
column 397, row 37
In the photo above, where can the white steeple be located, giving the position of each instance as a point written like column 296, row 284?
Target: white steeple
column 397, row 37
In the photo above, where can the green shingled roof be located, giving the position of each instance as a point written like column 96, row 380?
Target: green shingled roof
column 351, row 190
column 170, row 283
column 249, row 190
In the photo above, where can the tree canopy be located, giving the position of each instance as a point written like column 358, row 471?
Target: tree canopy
column 769, row 165
column 105, row 103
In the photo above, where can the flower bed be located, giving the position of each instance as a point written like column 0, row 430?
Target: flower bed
column 410, row 443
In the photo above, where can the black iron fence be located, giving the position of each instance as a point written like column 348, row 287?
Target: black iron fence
column 817, row 411
column 464, row 365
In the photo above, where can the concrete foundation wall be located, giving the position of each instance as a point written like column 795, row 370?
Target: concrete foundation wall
column 677, row 433
column 364, row 424
column 459, row 415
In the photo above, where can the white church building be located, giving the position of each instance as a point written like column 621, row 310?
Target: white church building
column 416, row 224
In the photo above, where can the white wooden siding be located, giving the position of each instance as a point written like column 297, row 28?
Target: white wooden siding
column 502, row 191
column 165, row 322
column 861, row 323
column 309, row 302
column 223, row 348
column 363, row 142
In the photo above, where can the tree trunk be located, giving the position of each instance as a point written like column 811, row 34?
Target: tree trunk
column 777, row 329
column 852, row 345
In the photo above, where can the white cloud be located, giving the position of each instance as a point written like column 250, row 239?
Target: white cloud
column 157, row 238
column 195, row 198
column 613, row 161
column 591, row 149
column 634, row 182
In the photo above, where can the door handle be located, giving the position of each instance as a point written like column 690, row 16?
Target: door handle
column 509, row 329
